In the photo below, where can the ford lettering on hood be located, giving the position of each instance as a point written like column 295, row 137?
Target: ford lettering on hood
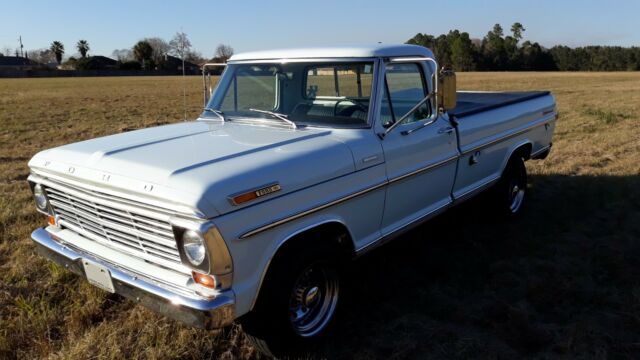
column 204, row 161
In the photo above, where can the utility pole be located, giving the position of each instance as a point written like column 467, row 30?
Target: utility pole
column 21, row 46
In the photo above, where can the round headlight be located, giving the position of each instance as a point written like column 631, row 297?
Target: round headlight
column 193, row 245
column 41, row 200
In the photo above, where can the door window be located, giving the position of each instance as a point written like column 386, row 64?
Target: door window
column 404, row 88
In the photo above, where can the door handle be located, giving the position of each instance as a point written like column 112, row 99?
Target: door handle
column 445, row 130
column 425, row 124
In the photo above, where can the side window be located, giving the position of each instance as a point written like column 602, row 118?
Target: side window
column 404, row 88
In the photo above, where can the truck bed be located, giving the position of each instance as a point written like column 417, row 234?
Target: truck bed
column 490, row 125
column 470, row 103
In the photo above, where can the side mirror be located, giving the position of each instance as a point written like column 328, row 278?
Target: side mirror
column 447, row 96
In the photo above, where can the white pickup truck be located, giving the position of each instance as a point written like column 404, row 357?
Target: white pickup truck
column 301, row 160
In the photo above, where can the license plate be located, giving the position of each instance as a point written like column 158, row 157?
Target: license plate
column 98, row 275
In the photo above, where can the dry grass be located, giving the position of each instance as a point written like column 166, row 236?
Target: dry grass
column 563, row 280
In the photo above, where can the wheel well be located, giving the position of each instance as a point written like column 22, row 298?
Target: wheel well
column 333, row 235
column 523, row 151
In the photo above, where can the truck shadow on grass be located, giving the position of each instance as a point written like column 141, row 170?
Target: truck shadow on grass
column 562, row 280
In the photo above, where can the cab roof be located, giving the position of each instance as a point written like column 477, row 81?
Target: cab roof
column 360, row 51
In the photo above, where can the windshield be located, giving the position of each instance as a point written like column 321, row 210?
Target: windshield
column 321, row 94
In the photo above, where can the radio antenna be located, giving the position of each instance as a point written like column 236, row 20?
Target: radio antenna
column 184, row 78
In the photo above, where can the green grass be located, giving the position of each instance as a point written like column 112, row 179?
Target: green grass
column 608, row 116
column 562, row 281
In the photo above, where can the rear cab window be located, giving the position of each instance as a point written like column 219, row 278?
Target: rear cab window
column 336, row 93
column 348, row 80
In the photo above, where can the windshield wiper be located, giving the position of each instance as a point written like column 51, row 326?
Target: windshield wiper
column 282, row 117
column 219, row 113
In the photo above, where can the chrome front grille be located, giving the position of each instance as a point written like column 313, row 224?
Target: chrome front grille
column 138, row 231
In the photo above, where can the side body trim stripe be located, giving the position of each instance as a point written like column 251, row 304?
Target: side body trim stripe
column 271, row 225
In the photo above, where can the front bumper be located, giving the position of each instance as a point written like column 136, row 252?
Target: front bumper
column 198, row 312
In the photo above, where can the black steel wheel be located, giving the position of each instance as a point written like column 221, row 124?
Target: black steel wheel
column 511, row 190
column 297, row 303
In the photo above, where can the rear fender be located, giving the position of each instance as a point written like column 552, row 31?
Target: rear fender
column 521, row 149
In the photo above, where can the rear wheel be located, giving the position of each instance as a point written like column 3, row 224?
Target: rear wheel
column 511, row 190
column 296, row 305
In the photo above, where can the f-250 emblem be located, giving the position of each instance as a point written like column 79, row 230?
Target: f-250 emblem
column 254, row 194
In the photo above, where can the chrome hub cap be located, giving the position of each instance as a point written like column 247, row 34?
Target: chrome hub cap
column 313, row 300
column 311, row 296
column 517, row 195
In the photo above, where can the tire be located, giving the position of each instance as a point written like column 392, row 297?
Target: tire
column 510, row 192
column 297, row 303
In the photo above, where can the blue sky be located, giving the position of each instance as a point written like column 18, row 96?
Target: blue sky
column 254, row 25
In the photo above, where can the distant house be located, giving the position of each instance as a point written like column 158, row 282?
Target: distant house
column 174, row 63
column 97, row 62
column 18, row 63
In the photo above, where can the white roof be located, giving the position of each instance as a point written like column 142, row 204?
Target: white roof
column 362, row 51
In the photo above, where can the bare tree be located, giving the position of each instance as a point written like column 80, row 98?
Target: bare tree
column 160, row 48
column 122, row 55
column 43, row 56
column 223, row 53
column 194, row 57
column 180, row 45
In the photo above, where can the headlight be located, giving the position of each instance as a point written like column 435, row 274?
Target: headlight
column 193, row 245
column 41, row 199
column 203, row 249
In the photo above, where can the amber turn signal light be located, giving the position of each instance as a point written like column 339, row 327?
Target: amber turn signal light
column 244, row 198
column 205, row 280
column 51, row 220
column 254, row 194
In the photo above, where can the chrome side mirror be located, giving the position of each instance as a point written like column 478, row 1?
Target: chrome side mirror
column 447, row 95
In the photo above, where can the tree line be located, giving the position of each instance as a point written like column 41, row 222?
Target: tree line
column 151, row 53
column 499, row 52
column 496, row 51
column 148, row 54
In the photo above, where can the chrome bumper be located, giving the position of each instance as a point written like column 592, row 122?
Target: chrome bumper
column 199, row 312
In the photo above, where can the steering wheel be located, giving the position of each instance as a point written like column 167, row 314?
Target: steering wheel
column 355, row 103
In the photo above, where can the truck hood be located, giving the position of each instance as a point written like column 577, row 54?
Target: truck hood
column 201, row 164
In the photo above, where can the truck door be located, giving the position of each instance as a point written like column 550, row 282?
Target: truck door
column 420, row 153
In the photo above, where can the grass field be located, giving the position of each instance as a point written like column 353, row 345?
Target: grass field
column 563, row 281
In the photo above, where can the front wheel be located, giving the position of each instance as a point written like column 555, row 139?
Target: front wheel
column 299, row 300
column 313, row 299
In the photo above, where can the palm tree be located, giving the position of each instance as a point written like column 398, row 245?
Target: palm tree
column 58, row 49
column 83, row 47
